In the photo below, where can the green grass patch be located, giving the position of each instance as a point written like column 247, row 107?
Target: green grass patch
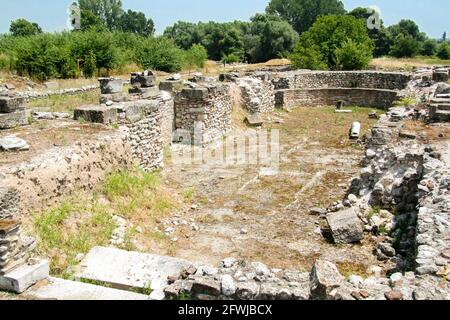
column 69, row 229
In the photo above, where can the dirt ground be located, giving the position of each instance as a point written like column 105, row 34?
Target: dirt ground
column 317, row 160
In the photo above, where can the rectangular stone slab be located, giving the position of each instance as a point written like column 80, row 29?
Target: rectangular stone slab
column 96, row 114
column 130, row 270
column 65, row 290
column 23, row 277
column 11, row 104
column 13, row 119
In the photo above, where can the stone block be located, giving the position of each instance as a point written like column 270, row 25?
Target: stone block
column 116, row 97
column 440, row 76
column 171, row 85
column 140, row 80
column 195, row 93
column 110, row 85
column 96, row 114
column 345, row 226
column 11, row 104
column 324, row 278
column 25, row 276
column 9, row 204
column 13, row 143
column 254, row 120
column 130, row 270
column 13, row 119
column 65, row 290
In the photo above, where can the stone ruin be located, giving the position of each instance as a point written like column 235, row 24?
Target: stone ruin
column 12, row 112
column 398, row 176
column 202, row 114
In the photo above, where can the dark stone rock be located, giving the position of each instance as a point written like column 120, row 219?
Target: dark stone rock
column 96, row 114
column 206, row 286
column 11, row 104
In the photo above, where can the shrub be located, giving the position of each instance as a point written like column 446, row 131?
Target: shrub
column 230, row 58
column 161, row 54
column 405, row 46
column 196, row 56
column 352, row 56
column 326, row 43
column 444, row 51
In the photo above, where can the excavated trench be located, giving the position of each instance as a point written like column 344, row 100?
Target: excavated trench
column 257, row 214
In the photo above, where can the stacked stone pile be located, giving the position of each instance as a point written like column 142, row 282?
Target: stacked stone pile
column 143, row 84
column 15, row 250
column 258, row 95
column 12, row 112
column 9, row 203
column 240, row 280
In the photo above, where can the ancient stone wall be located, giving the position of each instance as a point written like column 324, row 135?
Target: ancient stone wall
column 203, row 113
column 341, row 79
column 60, row 171
column 141, row 121
column 258, row 95
column 376, row 98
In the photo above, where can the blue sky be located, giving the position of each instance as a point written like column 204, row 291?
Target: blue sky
column 431, row 15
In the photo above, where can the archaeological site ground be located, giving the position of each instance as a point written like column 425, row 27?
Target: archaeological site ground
column 245, row 186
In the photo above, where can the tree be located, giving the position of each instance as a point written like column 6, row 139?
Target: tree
column 160, row 54
column 271, row 37
column 324, row 44
column 136, row 22
column 90, row 21
column 406, row 39
column 379, row 36
column 302, row 14
column 109, row 11
column 185, row 34
column 429, row 47
column 196, row 56
column 24, row 28
column 444, row 51
column 405, row 46
column 407, row 27
column 89, row 65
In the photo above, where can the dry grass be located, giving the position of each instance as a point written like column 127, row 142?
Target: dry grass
column 426, row 133
column 65, row 103
column 407, row 64
column 330, row 129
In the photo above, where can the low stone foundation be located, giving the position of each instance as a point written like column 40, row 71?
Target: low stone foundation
column 376, row 98
column 341, row 79
column 61, row 171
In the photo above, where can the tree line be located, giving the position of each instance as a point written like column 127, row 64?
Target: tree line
column 314, row 34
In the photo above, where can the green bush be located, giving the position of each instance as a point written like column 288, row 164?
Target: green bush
column 196, row 56
column 405, row 46
column 230, row 58
column 161, row 54
column 444, row 51
column 334, row 42
column 352, row 56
